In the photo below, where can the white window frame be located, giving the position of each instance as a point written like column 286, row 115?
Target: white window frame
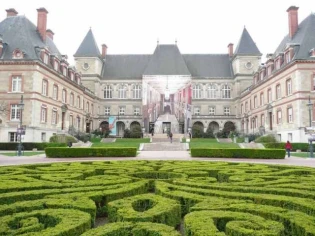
column 290, row 114
column 44, row 87
column 55, row 92
column 15, row 112
column 278, row 91
column 64, row 72
column 212, row 111
column 108, row 92
column 122, row 92
column 45, row 58
column 122, row 111
column 43, row 115
column 71, row 99
column 226, row 111
column 136, row 111
column 64, row 96
column 226, row 91
column 54, row 117
column 197, row 91
column 197, row 111
column 255, row 102
column 289, row 86
column 137, row 91
column 262, row 102
column 269, row 95
column 13, row 137
column 212, row 91
column 56, row 65
column 16, row 84
column 107, row 111
column 279, row 117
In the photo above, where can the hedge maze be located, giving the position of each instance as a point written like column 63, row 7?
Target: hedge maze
column 157, row 198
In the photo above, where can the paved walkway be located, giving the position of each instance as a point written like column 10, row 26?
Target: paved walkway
column 152, row 155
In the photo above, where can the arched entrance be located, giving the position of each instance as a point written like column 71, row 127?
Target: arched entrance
column 229, row 126
column 167, row 109
column 120, row 128
column 214, row 126
column 134, row 124
column 104, row 126
column 197, row 129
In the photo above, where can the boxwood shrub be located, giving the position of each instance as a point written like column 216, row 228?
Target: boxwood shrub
column 30, row 146
column 91, row 152
column 238, row 153
column 304, row 147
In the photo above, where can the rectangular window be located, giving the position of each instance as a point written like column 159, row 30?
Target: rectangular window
column 46, row 58
column 290, row 115
column 16, row 84
column 64, row 96
column 290, row 137
column 269, row 96
column 56, row 65
column 13, row 137
column 197, row 111
column 226, row 111
column 121, row 110
column 278, row 64
column 44, row 87
column 43, row 137
column 107, row 111
column 43, row 115
column 278, row 91
column 262, row 99
column 255, row 102
column 64, row 71
column 71, row 99
column 54, row 117
column 262, row 120
column 242, row 111
column 246, row 106
column 136, row 111
column 211, row 111
column 279, row 137
column 287, row 57
column 15, row 112
column 78, row 102
column 71, row 120
column 279, row 117
column 55, row 92
column 289, row 87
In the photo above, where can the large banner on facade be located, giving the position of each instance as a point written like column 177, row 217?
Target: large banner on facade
column 112, row 124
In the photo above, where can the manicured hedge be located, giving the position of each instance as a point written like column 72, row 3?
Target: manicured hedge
column 157, row 198
column 91, row 152
column 238, row 153
column 304, row 147
column 30, row 146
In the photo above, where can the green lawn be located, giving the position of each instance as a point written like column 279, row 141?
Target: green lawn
column 203, row 140
column 123, row 142
column 212, row 145
column 132, row 140
column 25, row 153
column 300, row 154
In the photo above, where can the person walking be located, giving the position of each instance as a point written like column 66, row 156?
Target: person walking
column 288, row 147
column 171, row 136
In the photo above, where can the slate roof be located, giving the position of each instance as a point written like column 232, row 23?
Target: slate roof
column 125, row 66
column 166, row 60
column 88, row 47
column 246, row 45
column 304, row 39
column 209, row 65
column 19, row 32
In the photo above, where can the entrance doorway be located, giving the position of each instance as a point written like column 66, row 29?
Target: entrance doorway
column 166, row 126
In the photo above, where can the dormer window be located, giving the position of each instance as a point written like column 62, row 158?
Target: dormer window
column 64, row 71
column 45, row 58
column 17, row 54
column 71, row 76
column 56, row 65
column 262, row 74
column 287, row 57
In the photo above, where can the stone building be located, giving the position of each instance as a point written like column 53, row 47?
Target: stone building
column 207, row 90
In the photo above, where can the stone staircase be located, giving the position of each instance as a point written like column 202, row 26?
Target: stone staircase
column 163, row 146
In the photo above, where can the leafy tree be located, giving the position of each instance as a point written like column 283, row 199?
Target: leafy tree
column 136, row 132
column 127, row 133
column 209, row 133
column 197, row 131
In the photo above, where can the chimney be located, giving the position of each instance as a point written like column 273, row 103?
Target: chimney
column 293, row 20
column 42, row 22
column 50, row 34
column 104, row 50
column 11, row 12
column 230, row 49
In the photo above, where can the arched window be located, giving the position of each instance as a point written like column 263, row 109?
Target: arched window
column 226, row 91
column 136, row 91
column 197, row 91
column 122, row 91
column 108, row 91
column 212, row 91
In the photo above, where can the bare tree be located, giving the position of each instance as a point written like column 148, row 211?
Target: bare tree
column 3, row 108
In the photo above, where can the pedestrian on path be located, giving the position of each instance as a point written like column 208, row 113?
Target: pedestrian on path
column 171, row 136
column 288, row 147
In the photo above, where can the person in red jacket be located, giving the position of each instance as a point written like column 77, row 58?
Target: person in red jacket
column 288, row 148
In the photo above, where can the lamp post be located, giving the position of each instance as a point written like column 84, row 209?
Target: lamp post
column 20, row 130
column 310, row 108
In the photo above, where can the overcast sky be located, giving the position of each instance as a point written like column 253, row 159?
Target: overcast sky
column 133, row 26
